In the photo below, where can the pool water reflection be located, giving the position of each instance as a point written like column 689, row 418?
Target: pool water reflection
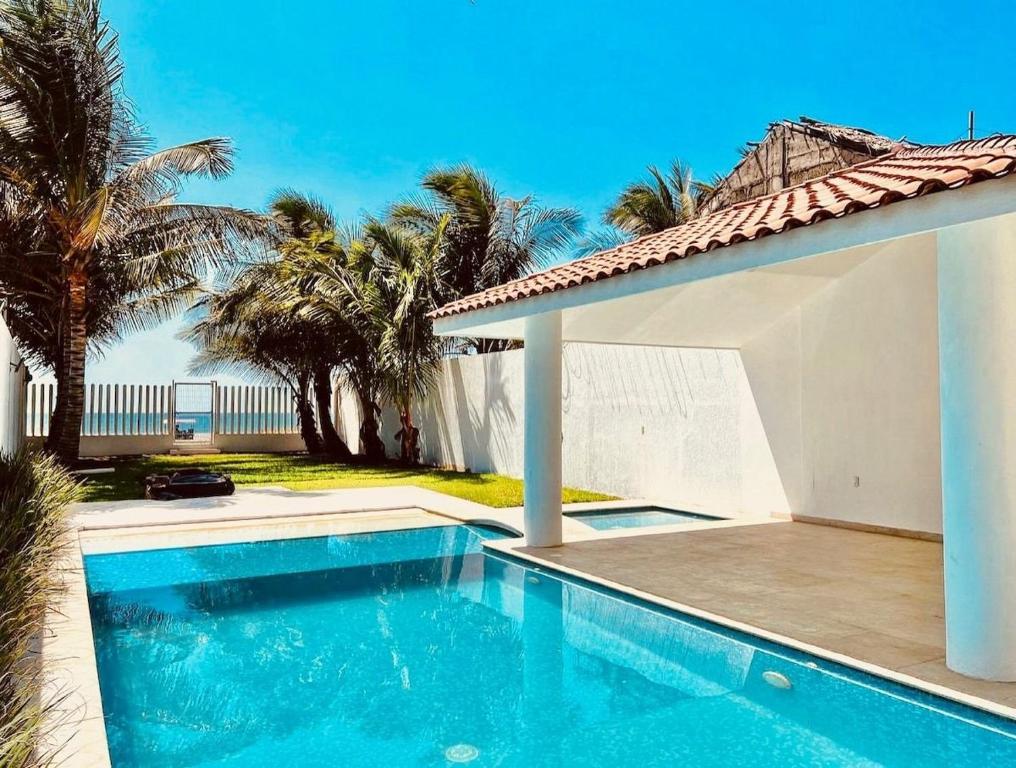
column 413, row 648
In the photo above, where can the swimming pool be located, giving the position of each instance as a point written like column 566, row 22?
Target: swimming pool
column 414, row 648
column 634, row 517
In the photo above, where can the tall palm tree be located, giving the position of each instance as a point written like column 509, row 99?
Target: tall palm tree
column 658, row 202
column 406, row 283
column 245, row 330
column 341, row 300
column 93, row 240
column 489, row 238
column 378, row 298
column 308, row 232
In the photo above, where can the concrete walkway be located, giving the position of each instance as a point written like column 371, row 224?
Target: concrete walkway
column 264, row 505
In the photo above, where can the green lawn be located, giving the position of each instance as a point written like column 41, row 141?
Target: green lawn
column 298, row 472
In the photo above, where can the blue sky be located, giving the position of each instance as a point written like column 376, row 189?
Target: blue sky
column 568, row 100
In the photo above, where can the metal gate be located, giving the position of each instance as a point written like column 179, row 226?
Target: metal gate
column 193, row 414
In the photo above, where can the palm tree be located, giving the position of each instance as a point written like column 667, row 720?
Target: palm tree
column 298, row 317
column 489, row 238
column 245, row 330
column 341, row 300
column 93, row 240
column 658, row 202
column 308, row 227
column 406, row 285
column 377, row 297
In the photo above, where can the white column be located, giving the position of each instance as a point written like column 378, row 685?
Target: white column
column 542, row 468
column 977, row 372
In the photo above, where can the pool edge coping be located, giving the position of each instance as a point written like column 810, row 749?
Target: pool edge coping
column 70, row 668
column 512, row 547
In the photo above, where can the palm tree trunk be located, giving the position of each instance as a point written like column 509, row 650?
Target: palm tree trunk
column 305, row 413
column 334, row 444
column 409, row 436
column 371, row 444
column 65, row 440
column 56, row 417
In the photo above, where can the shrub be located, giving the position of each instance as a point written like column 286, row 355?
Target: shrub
column 34, row 496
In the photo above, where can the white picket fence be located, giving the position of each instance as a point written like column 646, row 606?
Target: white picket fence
column 254, row 410
column 110, row 409
column 150, row 409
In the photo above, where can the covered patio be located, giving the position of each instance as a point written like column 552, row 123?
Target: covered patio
column 875, row 332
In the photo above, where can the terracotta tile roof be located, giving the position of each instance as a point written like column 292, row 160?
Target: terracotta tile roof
column 906, row 173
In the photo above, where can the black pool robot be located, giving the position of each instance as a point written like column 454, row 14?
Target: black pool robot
column 191, row 483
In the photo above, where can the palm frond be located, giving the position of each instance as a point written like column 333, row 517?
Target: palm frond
column 658, row 202
column 299, row 214
column 160, row 174
column 599, row 240
column 487, row 238
column 82, row 190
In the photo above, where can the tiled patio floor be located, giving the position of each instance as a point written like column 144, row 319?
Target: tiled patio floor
column 873, row 597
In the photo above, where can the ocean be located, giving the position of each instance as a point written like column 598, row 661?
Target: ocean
column 154, row 423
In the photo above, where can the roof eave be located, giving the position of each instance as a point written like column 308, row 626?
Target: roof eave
column 902, row 219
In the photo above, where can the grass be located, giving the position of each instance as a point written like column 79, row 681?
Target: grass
column 301, row 472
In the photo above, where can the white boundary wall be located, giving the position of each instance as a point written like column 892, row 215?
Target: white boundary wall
column 129, row 419
column 647, row 422
column 12, row 385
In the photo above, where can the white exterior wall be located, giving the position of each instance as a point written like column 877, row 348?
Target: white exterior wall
column 848, row 388
column 842, row 386
column 773, row 366
column 870, row 393
column 651, row 422
column 12, row 383
column 260, row 443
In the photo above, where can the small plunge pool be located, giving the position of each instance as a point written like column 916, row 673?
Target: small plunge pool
column 634, row 517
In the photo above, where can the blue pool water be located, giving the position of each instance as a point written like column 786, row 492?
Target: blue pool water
column 414, row 648
column 634, row 517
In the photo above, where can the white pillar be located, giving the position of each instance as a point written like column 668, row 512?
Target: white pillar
column 542, row 468
column 977, row 372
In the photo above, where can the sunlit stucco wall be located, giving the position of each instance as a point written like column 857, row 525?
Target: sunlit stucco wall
column 649, row 422
column 12, row 377
column 848, row 388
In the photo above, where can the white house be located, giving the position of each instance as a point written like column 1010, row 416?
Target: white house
column 874, row 310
